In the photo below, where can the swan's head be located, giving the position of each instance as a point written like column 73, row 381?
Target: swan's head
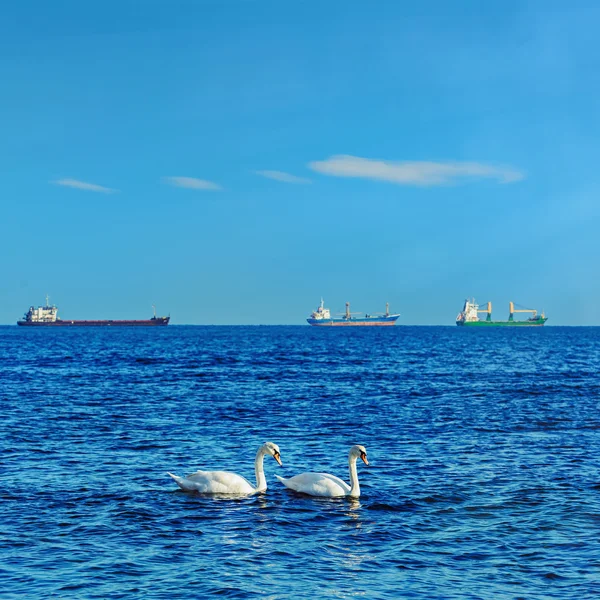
column 359, row 452
column 273, row 450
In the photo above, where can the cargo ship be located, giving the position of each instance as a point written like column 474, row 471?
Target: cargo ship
column 47, row 316
column 322, row 318
column 469, row 316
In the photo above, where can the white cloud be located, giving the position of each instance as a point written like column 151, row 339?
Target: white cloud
column 82, row 185
column 423, row 173
column 192, row 183
column 282, row 176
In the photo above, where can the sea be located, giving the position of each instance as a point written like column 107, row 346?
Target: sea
column 484, row 451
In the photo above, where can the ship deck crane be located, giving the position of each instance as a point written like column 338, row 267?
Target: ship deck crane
column 348, row 314
column 487, row 310
column 387, row 311
column 513, row 310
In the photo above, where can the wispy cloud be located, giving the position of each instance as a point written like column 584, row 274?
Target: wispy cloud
column 282, row 176
column 82, row 185
column 422, row 173
column 192, row 183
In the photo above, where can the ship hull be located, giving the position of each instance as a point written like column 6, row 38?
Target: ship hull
column 367, row 322
column 536, row 323
column 162, row 321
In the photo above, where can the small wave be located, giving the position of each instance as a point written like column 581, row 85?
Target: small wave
column 435, row 499
column 148, row 361
column 472, row 556
column 407, row 506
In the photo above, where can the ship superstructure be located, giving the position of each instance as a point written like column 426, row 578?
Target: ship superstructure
column 469, row 316
column 42, row 314
column 322, row 317
column 47, row 316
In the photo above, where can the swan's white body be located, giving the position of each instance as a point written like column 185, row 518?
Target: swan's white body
column 326, row 485
column 224, row 482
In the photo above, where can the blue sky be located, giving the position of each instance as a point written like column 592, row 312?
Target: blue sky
column 232, row 162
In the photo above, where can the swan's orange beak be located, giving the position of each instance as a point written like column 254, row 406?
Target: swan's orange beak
column 277, row 457
column 364, row 458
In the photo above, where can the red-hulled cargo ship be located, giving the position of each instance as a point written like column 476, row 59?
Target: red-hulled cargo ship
column 47, row 316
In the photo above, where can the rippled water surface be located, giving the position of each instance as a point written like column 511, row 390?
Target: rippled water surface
column 484, row 448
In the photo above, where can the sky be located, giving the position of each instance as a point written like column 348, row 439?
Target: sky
column 232, row 162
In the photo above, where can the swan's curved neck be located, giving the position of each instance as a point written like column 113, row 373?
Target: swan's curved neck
column 261, row 480
column 354, row 485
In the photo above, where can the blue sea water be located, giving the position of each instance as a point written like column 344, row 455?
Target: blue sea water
column 484, row 448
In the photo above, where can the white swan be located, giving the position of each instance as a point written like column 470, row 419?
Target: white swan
column 224, row 482
column 326, row 485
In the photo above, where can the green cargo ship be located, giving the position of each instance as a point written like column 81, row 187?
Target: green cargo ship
column 469, row 316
